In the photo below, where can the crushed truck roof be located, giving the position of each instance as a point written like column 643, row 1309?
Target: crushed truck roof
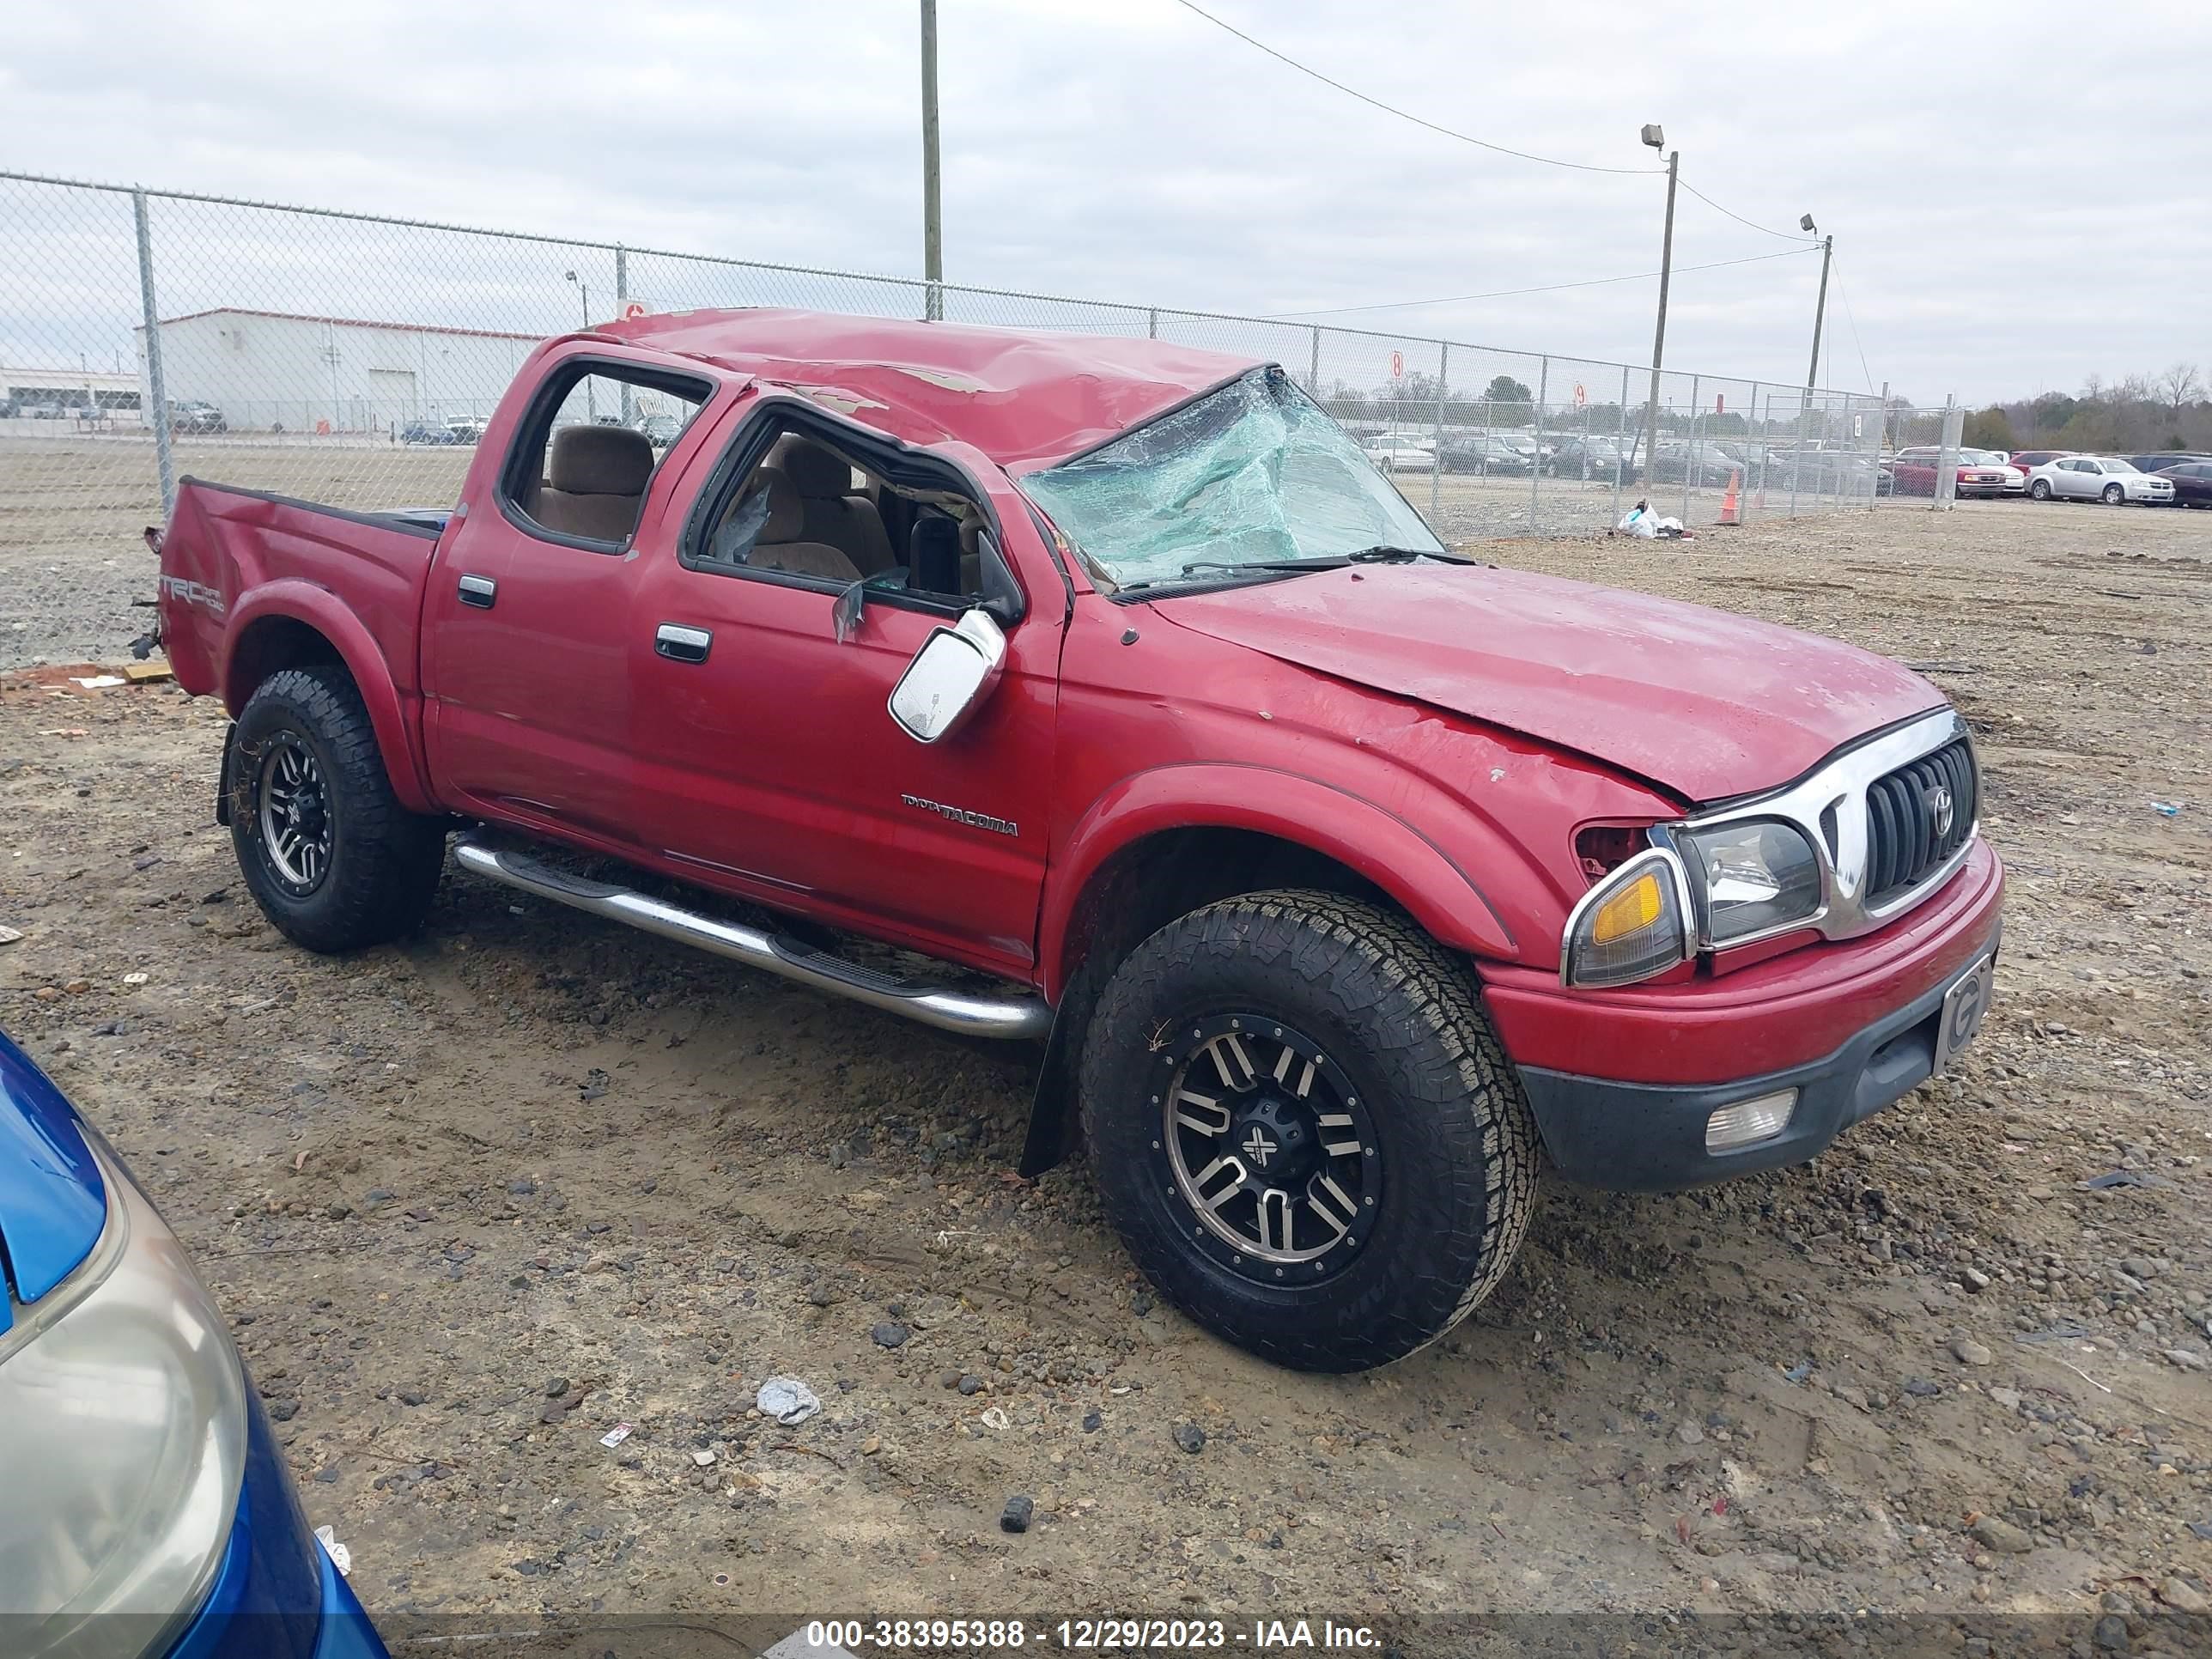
column 1024, row 399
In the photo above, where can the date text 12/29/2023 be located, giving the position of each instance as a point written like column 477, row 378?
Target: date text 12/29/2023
column 999, row 1636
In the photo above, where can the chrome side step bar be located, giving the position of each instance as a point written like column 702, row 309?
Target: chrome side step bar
column 1016, row 1013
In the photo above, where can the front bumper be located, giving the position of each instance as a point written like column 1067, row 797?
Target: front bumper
column 1651, row 1138
column 277, row 1596
column 1621, row 1082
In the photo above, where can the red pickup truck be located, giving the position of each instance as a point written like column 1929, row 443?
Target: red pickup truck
column 1101, row 691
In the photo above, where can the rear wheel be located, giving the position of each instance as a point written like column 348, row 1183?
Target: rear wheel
column 2040, row 490
column 1305, row 1131
column 2114, row 494
column 329, row 854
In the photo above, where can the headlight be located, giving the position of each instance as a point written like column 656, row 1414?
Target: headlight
column 1631, row 925
column 1754, row 875
column 122, row 1445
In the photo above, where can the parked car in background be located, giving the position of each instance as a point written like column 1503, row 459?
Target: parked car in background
column 1819, row 472
column 427, row 432
column 149, row 1510
column 1913, row 471
column 2159, row 461
column 2191, row 481
column 1698, row 463
column 1593, row 458
column 1485, row 453
column 466, row 428
column 2098, row 478
column 194, row 415
column 2028, row 459
column 1394, row 453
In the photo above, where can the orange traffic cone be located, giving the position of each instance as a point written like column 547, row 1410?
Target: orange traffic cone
column 1728, row 502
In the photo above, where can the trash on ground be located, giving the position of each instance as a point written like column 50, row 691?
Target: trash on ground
column 96, row 682
column 2112, row 1178
column 2167, row 808
column 138, row 978
column 341, row 1556
column 788, row 1399
column 1641, row 520
column 615, row 1436
column 1798, row 1372
column 995, row 1417
column 147, row 673
column 10, row 935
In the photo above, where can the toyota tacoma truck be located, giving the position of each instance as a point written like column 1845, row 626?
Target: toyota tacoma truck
column 1102, row 693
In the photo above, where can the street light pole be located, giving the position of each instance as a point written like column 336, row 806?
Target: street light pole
column 591, row 394
column 1819, row 310
column 1656, row 137
column 932, row 210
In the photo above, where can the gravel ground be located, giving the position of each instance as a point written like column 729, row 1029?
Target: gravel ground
column 476, row 1201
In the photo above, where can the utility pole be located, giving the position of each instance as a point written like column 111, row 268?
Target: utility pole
column 932, row 207
column 1656, row 136
column 1820, row 310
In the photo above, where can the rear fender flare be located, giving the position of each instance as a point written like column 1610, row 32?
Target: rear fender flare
column 1376, row 844
column 322, row 611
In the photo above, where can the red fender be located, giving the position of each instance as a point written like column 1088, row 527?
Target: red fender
column 328, row 616
column 1363, row 837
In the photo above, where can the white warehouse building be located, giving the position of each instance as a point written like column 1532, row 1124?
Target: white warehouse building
column 269, row 370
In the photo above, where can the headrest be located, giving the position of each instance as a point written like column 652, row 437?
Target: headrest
column 786, row 513
column 933, row 533
column 598, row 460
column 817, row 473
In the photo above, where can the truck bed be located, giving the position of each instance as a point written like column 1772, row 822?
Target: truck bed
column 228, row 551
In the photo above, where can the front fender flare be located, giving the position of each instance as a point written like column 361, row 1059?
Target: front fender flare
column 322, row 611
column 1377, row 844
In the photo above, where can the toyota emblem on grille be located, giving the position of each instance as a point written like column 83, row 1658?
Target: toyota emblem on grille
column 1939, row 808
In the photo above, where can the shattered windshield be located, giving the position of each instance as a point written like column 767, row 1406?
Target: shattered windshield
column 1253, row 474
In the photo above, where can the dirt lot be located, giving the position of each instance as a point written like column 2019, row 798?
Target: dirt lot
column 474, row 1202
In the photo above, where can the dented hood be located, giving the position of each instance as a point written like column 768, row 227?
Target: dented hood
column 1704, row 703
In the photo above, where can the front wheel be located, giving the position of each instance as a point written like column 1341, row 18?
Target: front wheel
column 2114, row 494
column 329, row 854
column 1305, row 1131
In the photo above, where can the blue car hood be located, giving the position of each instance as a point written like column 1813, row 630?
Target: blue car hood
column 53, row 1204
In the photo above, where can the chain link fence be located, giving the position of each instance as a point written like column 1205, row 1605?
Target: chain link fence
column 343, row 358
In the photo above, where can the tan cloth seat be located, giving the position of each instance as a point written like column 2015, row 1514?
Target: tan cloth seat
column 781, row 542
column 836, row 513
column 595, row 480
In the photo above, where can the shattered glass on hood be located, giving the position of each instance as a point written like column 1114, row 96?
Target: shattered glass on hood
column 1253, row 472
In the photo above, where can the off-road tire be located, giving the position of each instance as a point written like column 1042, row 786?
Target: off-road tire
column 1458, row 1147
column 384, row 861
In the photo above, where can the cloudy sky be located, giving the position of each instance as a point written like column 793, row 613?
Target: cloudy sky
column 2019, row 192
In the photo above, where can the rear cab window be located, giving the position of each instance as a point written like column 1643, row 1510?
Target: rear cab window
column 586, row 453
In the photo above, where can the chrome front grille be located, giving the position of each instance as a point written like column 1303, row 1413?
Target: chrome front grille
column 1919, row 817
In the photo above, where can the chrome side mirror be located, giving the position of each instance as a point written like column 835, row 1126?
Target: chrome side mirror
column 949, row 677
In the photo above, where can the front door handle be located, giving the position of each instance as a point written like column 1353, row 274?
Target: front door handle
column 680, row 644
column 478, row 590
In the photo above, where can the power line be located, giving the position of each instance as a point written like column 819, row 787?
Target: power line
column 1392, row 109
column 1845, row 297
column 1509, row 293
column 1786, row 235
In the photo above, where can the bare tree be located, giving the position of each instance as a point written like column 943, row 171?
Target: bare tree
column 2180, row 386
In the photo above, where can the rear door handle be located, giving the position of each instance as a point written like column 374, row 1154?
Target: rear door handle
column 478, row 590
column 680, row 644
